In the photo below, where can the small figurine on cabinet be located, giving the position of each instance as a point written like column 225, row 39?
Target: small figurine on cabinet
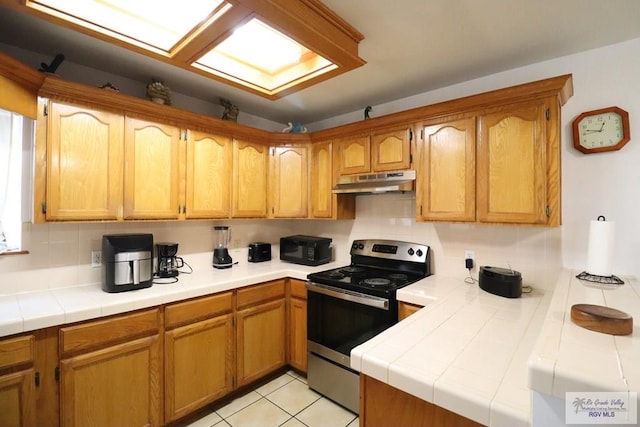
column 51, row 68
column 230, row 110
column 294, row 128
column 158, row 92
column 367, row 112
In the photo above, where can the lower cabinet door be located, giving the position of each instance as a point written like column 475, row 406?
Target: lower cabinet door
column 115, row 386
column 261, row 340
column 198, row 365
column 17, row 399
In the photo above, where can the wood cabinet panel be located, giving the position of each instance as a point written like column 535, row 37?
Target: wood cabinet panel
column 512, row 164
column 199, row 365
column 17, row 399
column 84, row 164
column 16, row 351
column 354, row 155
column 297, row 334
column 405, row 309
column 322, row 198
column 208, row 181
column 252, row 295
column 260, row 340
column 447, row 171
column 250, row 171
column 289, row 182
column 152, row 174
column 197, row 309
column 115, row 386
column 382, row 405
column 391, row 149
column 109, row 331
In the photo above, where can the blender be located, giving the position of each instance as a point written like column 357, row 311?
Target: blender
column 222, row 237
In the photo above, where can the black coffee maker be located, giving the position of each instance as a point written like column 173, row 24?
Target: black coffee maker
column 167, row 263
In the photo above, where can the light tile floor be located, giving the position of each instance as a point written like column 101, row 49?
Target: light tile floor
column 285, row 401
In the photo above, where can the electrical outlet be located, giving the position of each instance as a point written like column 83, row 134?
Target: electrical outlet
column 468, row 254
column 96, row 258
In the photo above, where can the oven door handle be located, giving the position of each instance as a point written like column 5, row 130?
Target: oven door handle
column 370, row 300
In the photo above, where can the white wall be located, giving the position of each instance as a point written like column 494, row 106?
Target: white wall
column 598, row 184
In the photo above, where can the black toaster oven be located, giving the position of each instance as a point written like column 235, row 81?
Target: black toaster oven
column 305, row 250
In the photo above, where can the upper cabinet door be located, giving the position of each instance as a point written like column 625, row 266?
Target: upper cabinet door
column 250, row 170
column 151, row 170
column 289, row 182
column 208, row 183
column 354, row 155
column 512, row 166
column 321, row 181
column 447, row 180
column 84, row 164
column 391, row 150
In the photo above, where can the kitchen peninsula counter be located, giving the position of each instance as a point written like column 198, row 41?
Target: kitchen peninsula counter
column 22, row 312
column 481, row 356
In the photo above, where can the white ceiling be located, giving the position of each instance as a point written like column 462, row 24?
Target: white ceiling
column 410, row 46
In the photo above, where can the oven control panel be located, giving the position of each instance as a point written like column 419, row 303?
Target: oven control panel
column 390, row 249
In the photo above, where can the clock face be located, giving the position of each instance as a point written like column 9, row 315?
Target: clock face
column 601, row 130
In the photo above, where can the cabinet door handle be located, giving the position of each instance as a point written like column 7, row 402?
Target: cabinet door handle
column 37, row 379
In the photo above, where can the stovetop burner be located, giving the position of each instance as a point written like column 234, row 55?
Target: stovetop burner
column 378, row 267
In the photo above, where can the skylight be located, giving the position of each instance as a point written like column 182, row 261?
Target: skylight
column 231, row 42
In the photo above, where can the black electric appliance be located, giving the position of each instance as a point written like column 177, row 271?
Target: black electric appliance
column 305, row 250
column 347, row 306
column 222, row 237
column 500, row 281
column 167, row 263
column 259, row 252
column 127, row 262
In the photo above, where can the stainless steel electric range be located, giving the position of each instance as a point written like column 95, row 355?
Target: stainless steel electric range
column 347, row 306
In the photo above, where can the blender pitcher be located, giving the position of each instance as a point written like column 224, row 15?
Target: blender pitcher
column 222, row 237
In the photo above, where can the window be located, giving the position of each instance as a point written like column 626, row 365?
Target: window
column 16, row 134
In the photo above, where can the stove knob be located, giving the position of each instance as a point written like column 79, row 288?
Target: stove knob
column 354, row 246
column 419, row 252
column 360, row 246
column 410, row 251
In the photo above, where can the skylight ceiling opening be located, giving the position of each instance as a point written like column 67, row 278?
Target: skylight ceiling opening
column 231, row 42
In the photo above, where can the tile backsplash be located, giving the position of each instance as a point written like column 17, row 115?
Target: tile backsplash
column 60, row 254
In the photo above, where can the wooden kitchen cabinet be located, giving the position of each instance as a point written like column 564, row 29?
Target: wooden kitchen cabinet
column 250, row 174
column 406, row 309
column 391, row 149
column 380, row 151
column 289, row 181
column 297, row 325
column 152, row 170
column 260, row 330
column 110, row 372
column 513, row 164
column 84, row 158
column 208, row 180
column 383, row 405
column 325, row 204
column 198, row 356
column 17, row 382
column 446, row 184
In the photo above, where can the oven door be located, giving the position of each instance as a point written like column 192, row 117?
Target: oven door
column 339, row 320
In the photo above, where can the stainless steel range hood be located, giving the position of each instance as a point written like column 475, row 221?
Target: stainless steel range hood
column 374, row 183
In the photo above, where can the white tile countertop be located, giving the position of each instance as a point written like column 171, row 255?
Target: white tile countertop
column 22, row 312
column 465, row 351
column 570, row 358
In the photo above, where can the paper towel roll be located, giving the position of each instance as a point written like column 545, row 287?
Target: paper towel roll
column 600, row 255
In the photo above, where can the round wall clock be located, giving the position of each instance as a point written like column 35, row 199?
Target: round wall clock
column 601, row 130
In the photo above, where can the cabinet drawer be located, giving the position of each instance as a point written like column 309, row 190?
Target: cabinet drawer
column 201, row 308
column 259, row 293
column 15, row 351
column 110, row 331
column 298, row 288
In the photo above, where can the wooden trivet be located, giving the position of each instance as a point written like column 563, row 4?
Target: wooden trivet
column 602, row 319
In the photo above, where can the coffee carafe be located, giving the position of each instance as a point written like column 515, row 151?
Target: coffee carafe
column 221, row 239
column 167, row 263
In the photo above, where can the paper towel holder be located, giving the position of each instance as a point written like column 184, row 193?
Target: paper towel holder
column 607, row 280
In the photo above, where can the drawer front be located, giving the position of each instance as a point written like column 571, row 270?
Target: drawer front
column 298, row 288
column 197, row 309
column 16, row 351
column 101, row 333
column 260, row 293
